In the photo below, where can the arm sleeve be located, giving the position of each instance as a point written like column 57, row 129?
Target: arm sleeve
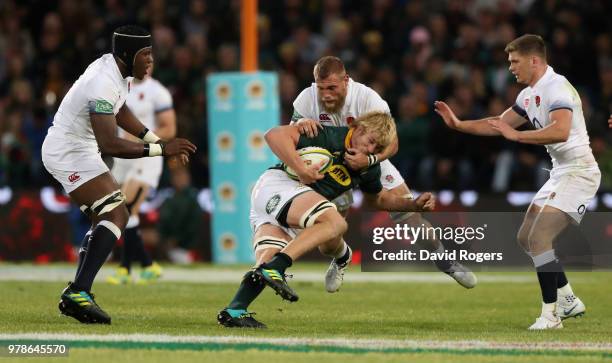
column 303, row 105
column 371, row 180
column 375, row 102
column 561, row 97
column 518, row 106
column 163, row 99
column 102, row 96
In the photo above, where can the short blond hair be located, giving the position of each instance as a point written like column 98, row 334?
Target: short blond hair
column 379, row 123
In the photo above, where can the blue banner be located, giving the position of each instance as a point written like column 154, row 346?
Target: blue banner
column 241, row 108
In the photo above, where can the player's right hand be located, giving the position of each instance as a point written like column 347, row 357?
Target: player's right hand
column 179, row 146
column 447, row 114
column 426, row 202
column 308, row 126
column 310, row 174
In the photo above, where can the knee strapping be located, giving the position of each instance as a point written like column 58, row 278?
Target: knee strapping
column 105, row 204
column 266, row 242
column 111, row 227
column 311, row 215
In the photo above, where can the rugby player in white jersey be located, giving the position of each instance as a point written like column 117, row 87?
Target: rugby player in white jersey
column 85, row 126
column 151, row 103
column 552, row 105
column 334, row 100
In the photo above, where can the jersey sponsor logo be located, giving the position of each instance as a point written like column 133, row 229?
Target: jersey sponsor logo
column 74, row 177
column 141, row 96
column 340, row 175
column 581, row 209
column 526, row 103
column 389, row 178
column 324, row 117
column 537, row 100
column 272, row 203
column 350, row 120
column 100, row 106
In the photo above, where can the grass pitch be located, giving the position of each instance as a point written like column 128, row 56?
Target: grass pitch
column 374, row 321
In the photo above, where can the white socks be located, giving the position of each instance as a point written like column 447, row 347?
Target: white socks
column 565, row 290
column 548, row 309
column 343, row 251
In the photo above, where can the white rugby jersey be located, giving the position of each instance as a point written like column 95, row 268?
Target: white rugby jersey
column 553, row 92
column 360, row 99
column 146, row 99
column 100, row 89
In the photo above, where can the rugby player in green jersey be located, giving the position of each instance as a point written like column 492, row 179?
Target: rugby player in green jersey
column 291, row 217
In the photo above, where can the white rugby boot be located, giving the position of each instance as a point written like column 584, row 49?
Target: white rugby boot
column 463, row 275
column 569, row 306
column 335, row 273
column 547, row 321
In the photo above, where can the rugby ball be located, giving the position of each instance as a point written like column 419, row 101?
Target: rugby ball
column 312, row 155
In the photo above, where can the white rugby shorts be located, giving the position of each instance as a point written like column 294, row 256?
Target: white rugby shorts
column 570, row 191
column 71, row 161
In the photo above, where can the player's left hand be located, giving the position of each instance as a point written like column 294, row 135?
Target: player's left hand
column 308, row 127
column 355, row 159
column 426, row 202
column 504, row 129
column 178, row 160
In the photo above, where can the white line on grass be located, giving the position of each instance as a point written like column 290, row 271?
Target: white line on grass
column 375, row 344
column 218, row 275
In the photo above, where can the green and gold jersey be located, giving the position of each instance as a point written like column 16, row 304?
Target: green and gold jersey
column 339, row 178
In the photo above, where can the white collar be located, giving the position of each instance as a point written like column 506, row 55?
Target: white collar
column 549, row 73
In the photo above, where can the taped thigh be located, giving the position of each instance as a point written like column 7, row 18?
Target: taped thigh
column 105, row 204
column 310, row 216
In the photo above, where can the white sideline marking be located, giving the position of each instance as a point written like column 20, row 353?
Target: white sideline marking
column 219, row 275
column 379, row 344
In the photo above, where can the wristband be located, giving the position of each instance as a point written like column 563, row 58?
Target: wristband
column 153, row 150
column 372, row 159
column 149, row 137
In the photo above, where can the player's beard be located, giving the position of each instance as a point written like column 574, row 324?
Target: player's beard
column 337, row 105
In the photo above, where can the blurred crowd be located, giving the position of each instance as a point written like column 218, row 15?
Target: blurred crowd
column 411, row 51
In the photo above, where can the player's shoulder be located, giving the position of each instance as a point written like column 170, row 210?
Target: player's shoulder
column 368, row 97
column 306, row 100
column 155, row 84
column 333, row 134
column 308, row 93
column 335, row 130
column 558, row 86
column 101, row 74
